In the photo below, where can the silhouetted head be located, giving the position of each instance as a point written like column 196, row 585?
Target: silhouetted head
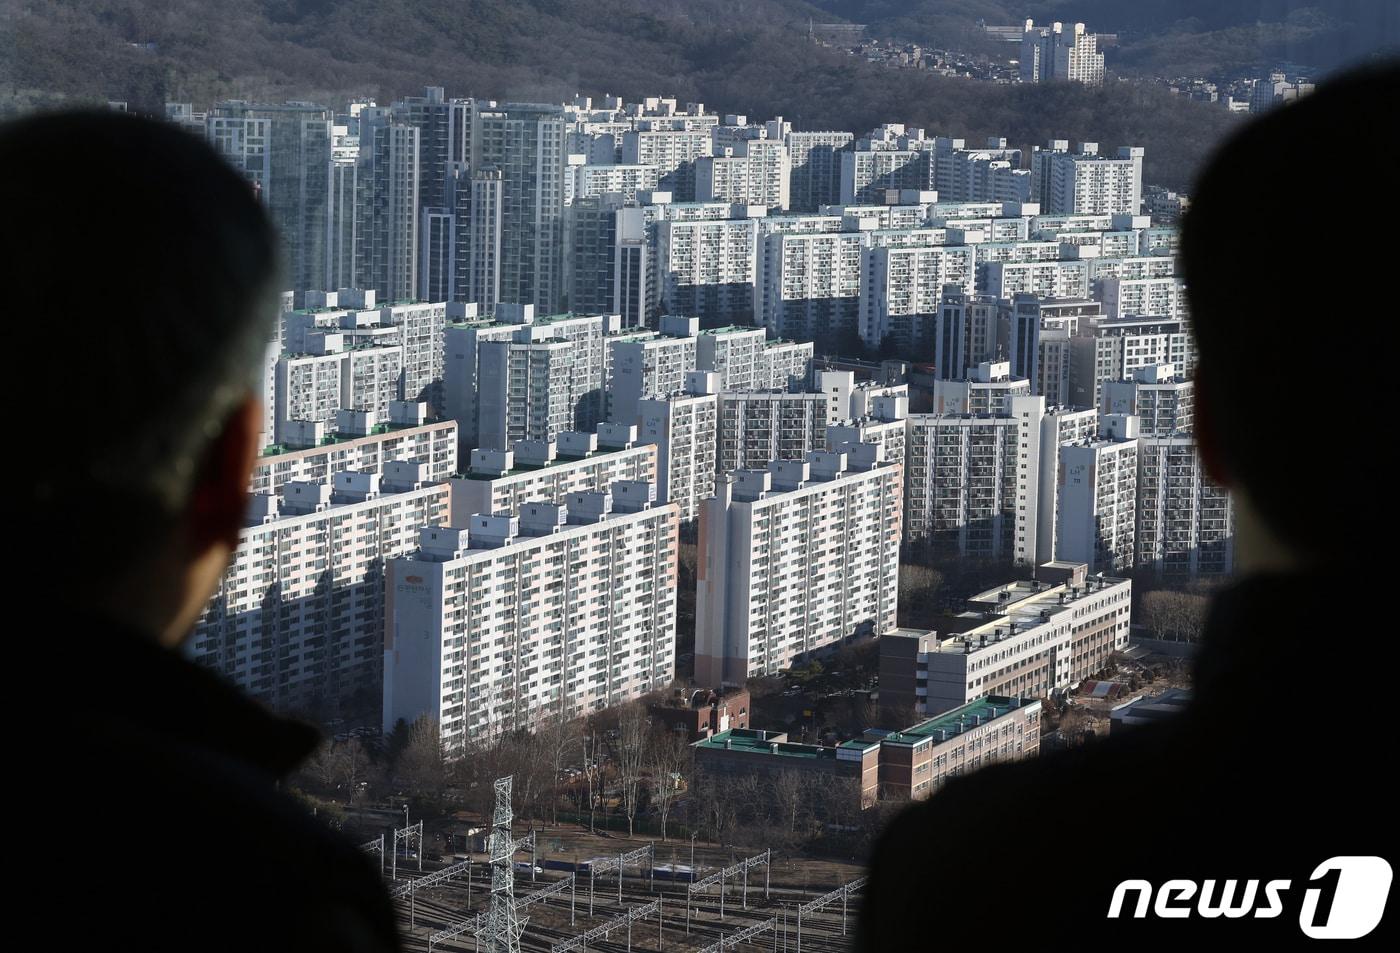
column 1288, row 250
column 142, row 281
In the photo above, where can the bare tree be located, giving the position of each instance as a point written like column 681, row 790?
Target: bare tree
column 421, row 767
column 632, row 756
column 669, row 761
column 788, row 794
column 560, row 740
column 1176, row 616
column 592, row 773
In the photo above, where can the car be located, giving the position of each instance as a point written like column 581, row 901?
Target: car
column 524, row 867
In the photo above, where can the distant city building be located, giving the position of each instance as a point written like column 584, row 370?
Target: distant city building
column 1057, row 53
column 1085, row 182
column 285, row 152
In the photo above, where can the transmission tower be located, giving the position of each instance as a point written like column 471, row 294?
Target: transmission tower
column 503, row 927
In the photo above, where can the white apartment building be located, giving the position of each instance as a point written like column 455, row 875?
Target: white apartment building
column 1110, row 350
column 808, row 285
column 1008, row 252
column 684, row 426
column 868, row 173
column 706, row 267
column 1084, row 182
column 794, row 559
column 297, row 621
column 644, row 365
column 815, row 167
column 562, row 608
column 1185, row 521
column 1044, row 279
column 502, row 481
column 434, row 445
column 1058, row 426
column 903, row 286
column 1163, row 402
column 673, row 151
column 745, row 359
column 312, row 388
column 1056, row 53
column 1042, row 635
column 758, row 426
column 748, row 172
column 987, row 388
column 590, row 181
column 1137, row 297
column 547, row 378
column 971, row 481
column 784, row 364
column 1098, row 497
column 884, row 426
column 1130, row 267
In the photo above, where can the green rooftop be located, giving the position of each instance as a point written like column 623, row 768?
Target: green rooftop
column 755, row 741
column 950, row 724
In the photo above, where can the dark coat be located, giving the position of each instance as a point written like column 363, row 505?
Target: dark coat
column 1277, row 765
column 165, row 810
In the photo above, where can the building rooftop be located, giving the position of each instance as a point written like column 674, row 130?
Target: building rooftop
column 950, row 724
column 758, row 741
column 277, row 449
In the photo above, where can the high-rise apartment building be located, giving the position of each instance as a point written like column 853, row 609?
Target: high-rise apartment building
column 1185, row 520
column 388, row 233
column 525, row 143
column 1059, row 53
column 757, row 426
column 706, row 267
column 902, row 288
column 646, row 365
column 684, row 426
column 1163, row 401
column 285, row 151
column 297, row 621
column 1085, row 182
column 558, row 609
column 1098, row 497
column 815, row 160
column 971, row 481
column 749, row 172
column 964, row 332
column 808, row 284
column 1109, row 350
column 795, row 559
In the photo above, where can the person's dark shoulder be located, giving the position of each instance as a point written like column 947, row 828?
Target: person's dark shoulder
column 983, row 833
column 218, row 835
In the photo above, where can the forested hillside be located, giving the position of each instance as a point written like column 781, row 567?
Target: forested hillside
column 746, row 56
